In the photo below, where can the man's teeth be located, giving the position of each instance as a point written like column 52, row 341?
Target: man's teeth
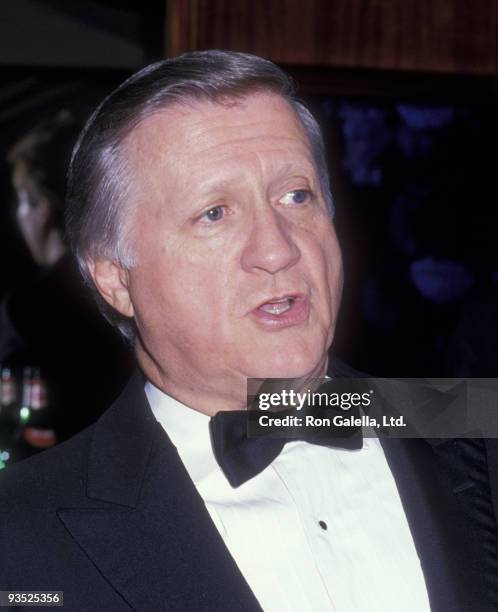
column 276, row 308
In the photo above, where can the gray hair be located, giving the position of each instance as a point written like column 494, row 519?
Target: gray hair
column 98, row 219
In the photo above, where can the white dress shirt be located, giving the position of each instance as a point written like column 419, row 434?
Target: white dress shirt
column 318, row 529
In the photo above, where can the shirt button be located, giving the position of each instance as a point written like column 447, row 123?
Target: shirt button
column 323, row 525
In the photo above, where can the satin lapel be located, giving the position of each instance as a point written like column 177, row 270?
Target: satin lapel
column 450, row 557
column 146, row 528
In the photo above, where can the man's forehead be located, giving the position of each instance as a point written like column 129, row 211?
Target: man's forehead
column 192, row 126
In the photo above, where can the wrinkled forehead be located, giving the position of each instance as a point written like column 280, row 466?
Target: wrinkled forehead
column 196, row 130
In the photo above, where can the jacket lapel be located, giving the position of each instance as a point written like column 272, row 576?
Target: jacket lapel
column 145, row 527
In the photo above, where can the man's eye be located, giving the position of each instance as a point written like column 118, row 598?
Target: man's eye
column 296, row 196
column 214, row 214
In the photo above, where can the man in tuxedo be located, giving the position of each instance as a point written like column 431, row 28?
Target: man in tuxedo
column 201, row 214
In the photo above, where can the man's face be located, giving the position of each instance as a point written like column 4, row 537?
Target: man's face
column 239, row 270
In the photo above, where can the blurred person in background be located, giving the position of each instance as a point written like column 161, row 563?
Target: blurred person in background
column 50, row 322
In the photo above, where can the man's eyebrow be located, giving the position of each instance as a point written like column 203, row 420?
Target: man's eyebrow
column 302, row 168
column 212, row 185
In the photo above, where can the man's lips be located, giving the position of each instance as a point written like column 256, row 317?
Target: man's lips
column 282, row 311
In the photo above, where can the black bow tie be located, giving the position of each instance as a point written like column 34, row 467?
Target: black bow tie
column 242, row 457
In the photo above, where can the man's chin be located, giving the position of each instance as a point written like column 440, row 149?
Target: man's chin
column 291, row 366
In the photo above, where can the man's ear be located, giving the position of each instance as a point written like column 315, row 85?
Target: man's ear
column 112, row 281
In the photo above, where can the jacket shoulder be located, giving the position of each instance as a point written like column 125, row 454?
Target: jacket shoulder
column 54, row 477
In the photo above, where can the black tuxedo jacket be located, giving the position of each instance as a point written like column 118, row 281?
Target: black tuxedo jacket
column 112, row 518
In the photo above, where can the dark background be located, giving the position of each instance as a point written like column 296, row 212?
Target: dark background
column 406, row 92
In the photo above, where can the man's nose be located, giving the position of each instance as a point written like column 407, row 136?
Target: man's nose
column 270, row 246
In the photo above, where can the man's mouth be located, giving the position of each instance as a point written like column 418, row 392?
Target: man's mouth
column 277, row 307
column 279, row 312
